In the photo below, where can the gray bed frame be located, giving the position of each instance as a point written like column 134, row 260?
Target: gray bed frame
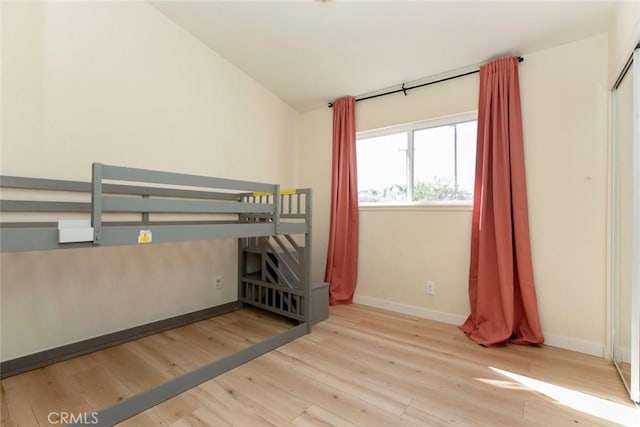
column 273, row 228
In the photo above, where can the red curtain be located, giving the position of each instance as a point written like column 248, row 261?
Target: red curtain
column 501, row 288
column 342, row 255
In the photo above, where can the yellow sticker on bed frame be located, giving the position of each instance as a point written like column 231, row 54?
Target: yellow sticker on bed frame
column 285, row 192
column 145, row 236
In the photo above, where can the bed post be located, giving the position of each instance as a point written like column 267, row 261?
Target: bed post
column 241, row 261
column 241, row 242
column 276, row 209
column 307, row 261
column 96, row 202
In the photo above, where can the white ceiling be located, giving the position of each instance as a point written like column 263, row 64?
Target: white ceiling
column 309, row 52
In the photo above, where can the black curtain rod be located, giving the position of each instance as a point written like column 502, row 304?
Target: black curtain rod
column 405, row 89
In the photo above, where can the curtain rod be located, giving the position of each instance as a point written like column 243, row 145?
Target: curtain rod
column 405, row 89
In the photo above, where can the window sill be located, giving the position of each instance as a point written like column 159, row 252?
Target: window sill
column 441, row 207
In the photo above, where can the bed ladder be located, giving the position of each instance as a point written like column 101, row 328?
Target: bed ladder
column 271, row 271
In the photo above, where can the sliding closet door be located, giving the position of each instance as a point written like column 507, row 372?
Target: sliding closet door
column 626, row 228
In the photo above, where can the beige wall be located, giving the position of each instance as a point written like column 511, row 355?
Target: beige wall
column 402, row 249
column 565, row 112
column 313, row 157
column 564, row 101
column 117, row 82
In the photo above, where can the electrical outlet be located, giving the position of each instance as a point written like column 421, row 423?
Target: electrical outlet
column 218, row 283
column 431, row 287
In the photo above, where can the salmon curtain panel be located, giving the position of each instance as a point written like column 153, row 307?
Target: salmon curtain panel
column 502, row 293
column 342, row 254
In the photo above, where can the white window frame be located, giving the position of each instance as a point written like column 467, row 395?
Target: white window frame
column 410, row 129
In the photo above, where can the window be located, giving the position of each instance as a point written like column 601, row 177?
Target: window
column 428, row 162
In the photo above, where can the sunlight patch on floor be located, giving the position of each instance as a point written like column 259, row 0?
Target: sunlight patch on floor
column 595, row 406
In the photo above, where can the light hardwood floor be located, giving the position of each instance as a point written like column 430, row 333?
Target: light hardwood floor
column 362, row 367
column 100, row 379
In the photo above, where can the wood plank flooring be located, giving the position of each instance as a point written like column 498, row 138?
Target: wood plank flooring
column 100, row 379
column 362, row 367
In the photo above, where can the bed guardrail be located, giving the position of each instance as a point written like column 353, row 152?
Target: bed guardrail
column 118, row 190
column 102, row 203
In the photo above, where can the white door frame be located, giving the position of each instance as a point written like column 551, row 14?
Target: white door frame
column 633, row 386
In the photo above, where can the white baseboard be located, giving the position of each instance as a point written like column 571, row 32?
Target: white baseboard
column 412, row 310
column 572, row 344
column 586, row 347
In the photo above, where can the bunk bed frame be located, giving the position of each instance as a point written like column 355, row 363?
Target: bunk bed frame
column 273, row 228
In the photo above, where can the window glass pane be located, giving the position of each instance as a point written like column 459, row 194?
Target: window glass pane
column 433, row 164
column 444, row 159
column 466, row 133
column 382, row 168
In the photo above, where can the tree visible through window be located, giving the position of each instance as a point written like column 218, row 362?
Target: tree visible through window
column 425, row 162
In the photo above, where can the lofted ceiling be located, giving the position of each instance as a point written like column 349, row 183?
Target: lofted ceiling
column 309, row 52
